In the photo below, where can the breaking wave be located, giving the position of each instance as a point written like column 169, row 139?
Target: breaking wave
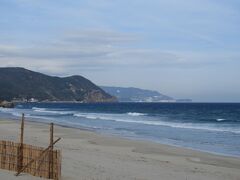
column 129, row 117
column 135, row 114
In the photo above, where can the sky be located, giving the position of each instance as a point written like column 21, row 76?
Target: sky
column 182, row 48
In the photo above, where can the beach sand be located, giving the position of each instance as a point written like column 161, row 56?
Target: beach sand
column 91, row 156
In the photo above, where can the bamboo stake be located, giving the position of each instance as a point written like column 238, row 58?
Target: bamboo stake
column 22, row 129
column 51, row 152
column 33, row 160
column 20, row 150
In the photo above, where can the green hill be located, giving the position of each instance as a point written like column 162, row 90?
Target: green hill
column 21, row 84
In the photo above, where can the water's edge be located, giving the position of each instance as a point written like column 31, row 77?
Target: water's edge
column 213, row 128
column 33, row 120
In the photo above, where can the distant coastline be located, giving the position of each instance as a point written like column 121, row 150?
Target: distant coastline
column 23, row 85
column 132, row 94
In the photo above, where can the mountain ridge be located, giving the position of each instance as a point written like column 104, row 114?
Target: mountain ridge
column 132, row 94
column 20, row 84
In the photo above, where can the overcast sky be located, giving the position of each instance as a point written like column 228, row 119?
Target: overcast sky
column 183, row 48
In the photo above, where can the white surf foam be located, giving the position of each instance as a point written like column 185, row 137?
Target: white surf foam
column 85, row 116
column 38, row 109
column 219, row 120
column 44, row 110
column 135, row 114
column 131, row 117
column 125, row 119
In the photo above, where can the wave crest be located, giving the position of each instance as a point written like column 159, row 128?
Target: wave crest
column 44, row 110
column 219, row 119
column 135, row 114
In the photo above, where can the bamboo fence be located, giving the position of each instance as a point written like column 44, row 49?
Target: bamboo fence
column 34, row 160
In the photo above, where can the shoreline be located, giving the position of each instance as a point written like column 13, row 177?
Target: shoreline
column 33, row 120
column 92, row 155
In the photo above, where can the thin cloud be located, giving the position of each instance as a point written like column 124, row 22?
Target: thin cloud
column 99, row 50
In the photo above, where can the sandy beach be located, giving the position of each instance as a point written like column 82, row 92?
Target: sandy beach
column 89, row 155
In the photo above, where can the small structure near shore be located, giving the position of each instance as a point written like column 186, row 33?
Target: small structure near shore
column 37, row 161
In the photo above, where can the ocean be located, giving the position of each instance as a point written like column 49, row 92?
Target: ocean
column 209, row 127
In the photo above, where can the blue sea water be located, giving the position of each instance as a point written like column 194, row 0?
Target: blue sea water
column 212, row 127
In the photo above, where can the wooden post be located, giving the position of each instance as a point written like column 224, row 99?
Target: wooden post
column 51, row 152
column 20, row 148
column 22, row 130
